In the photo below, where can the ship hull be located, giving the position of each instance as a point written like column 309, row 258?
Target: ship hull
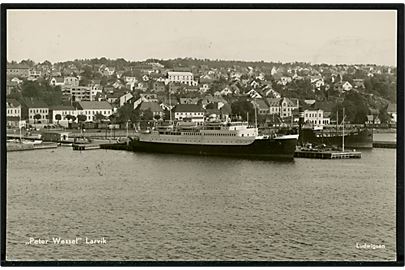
column 261, row 149
column 360, row 139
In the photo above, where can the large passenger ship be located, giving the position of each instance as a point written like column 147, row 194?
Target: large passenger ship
column 224, row 139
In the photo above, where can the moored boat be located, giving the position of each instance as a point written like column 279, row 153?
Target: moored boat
column 356, row 137
column 223, row 139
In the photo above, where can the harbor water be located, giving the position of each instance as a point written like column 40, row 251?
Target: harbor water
column 151, row 207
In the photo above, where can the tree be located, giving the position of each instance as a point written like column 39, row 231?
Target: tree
column 124, row 113
column 37, row 117
column 81, row 118
column 27, row 62
column 58, row 117
column 356, row 109
column 241, row 107
column 113, row 118
column 147, row 115
column 384, row 116
column 157, row 117
column 43, row 91
column 98, row 117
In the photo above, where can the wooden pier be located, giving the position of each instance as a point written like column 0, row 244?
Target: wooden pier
column 384, row 144
column 326, row 154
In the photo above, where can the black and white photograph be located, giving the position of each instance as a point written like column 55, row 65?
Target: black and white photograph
column 202, row 134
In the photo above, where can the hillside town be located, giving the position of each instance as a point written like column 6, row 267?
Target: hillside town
column 100, row 92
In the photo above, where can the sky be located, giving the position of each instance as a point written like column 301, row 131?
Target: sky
column 316, row 36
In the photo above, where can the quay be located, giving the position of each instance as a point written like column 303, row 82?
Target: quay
column 100, row 144
column 114, row 146
column 384, row 144
column 13, row 147
column 326, row 154
column 82, row 147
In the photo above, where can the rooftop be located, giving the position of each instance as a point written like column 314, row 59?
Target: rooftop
column 34, row 103
column 12, row 103
column 188, row 108
column 179, row 73
column 62, row 108
column 153, row 106
column 94, row 105
column 14, row 66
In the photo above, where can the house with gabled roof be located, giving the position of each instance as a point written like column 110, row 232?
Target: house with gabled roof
column 226, row 91
column 189, row 100
column 154, row 107
column 261, row 106
column 283, row 107
column 13, row 112
column 19, row 70
column 189, row 113
column 32, row 107
column 358, row 83
column 92, row 108
column 346, row 86
column 57, row 81
column 253, row 94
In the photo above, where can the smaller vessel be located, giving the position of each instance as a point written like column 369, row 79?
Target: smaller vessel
column 342, row 136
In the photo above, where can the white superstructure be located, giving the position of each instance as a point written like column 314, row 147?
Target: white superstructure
column 234, row 133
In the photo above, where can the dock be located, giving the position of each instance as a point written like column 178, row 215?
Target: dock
column 326, row 154
column 384, row 144
column 13, row 147
column 83, row 147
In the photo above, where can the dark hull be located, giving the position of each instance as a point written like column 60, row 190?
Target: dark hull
column 358, row 139
column 263, row 149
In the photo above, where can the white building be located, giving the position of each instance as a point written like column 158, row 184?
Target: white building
column 347, row 86
column 283, row 107
column 13, row 108
column 125, row 98
column 57, row 81
column 79, row 93
column 33, row 107
column 189, row 113
column 71, row 81
column 316, row 118
column 33, row 74
column 13, row 113
column 63, row 111
column 91, row 108
column 181, row 77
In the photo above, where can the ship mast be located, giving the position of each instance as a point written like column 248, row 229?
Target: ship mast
column 170, row 107
column 255, row 115
column 19, row 126
column 343, row 131
column 337, row 121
